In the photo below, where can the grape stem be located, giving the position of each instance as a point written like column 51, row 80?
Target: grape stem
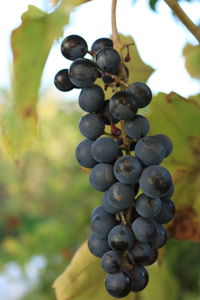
column 195, row 30
column 115, row 35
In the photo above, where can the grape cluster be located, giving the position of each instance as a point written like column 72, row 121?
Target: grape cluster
column 127, row 228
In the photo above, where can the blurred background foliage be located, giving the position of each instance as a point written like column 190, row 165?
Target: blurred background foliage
column 46, row 199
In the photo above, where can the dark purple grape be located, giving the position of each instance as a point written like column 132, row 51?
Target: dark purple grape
column 123, row 106
column 97, row 246
column 104, row 149
column 155, row 181
column 149, row 151
column 91, row 126
column 107, row 116
column 91, row 99
column 83, row 72
column 127, row 169
column 111, row 262
column 147, row 207
column 151, row 259
column 121, row 195
column 139, row 252
column 137, row 128
column 141, row 92
column 83, row 154
column 139, row 277
column 108, row 60
column 62, row 81
column 120, row 238
column 118, row 285
column 165, row 141
column 102, row 177
column 73, row 47
column 101, row 43
column 166, row 213
column 160, row 238
column 144, row 229
column 102, row 224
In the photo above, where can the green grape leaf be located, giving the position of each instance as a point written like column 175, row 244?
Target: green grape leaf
column 31, row 43
column 192, row 60
column 178, row 118
column 83, row 279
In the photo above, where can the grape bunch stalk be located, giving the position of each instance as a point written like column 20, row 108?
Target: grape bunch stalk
column 127, row 228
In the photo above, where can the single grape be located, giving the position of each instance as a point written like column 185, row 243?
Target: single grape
column 91, row 126
column 120, row 238
column 118, row 285
column 111, row 262
column 101, row 43
column 155, row 181
column 160, row 238
column 149, row 151
column 139, row 252
column 73, row 47
column 123, row 106
column 102, row 224
column 83, row 154
column 141, row 92
column 107, row 205
column 151, row 259
column 91, row 99
column 108, row 60
column 127, row 169
column 166, row 142
column 102, row 177
column 137, row 128
column 104, row 149
column 166, row 213
column 99, row 210
column 144, row 229
column 139, row 277
column 147, row 207
column 83, row 72
column 62, row 81
column 97, row 246
column 107, row 116
column 121, row 195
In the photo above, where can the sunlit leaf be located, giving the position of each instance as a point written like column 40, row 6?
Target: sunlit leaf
column 178, row 118
column 192, row 60
column 83, row 279
column 31, row 43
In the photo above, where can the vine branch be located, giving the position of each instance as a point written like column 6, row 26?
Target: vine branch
column 195, row 30
column 115, row 35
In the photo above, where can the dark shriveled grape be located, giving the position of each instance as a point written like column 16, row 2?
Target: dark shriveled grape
column 62, row 81
column 73, row 47
column 123, row 106
column 155, row 181
column 83, row 72
column 118, row 285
